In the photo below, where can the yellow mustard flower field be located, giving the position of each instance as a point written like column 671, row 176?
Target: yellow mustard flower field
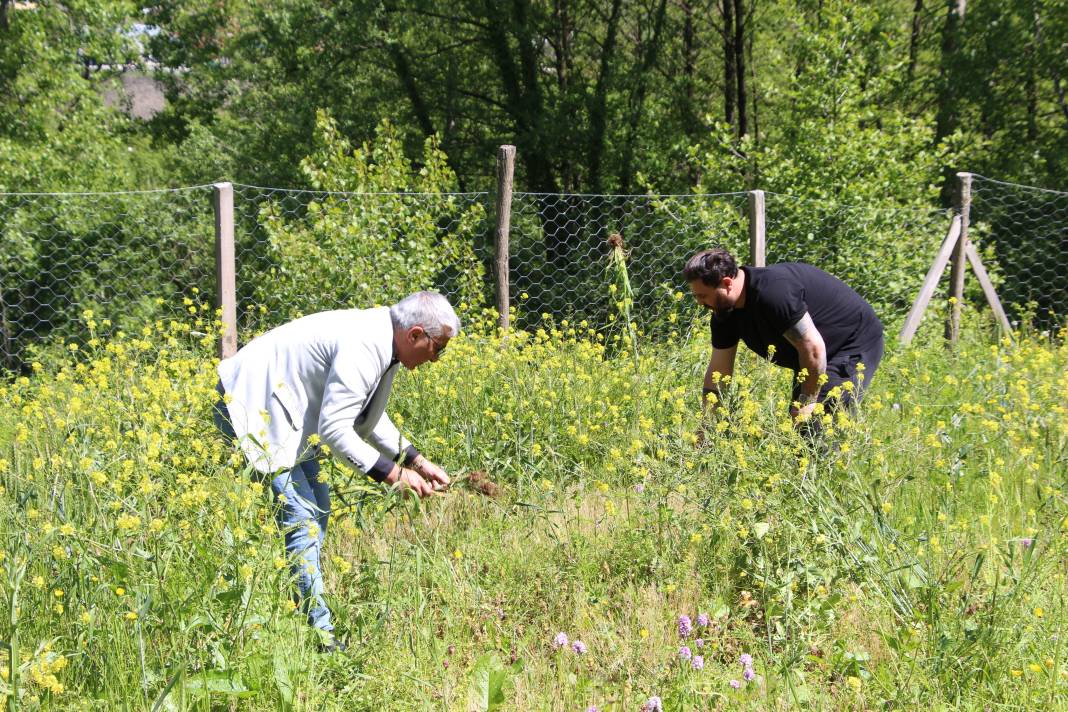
column 914, row 556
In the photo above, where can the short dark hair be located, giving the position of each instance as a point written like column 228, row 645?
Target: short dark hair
column 710, row 267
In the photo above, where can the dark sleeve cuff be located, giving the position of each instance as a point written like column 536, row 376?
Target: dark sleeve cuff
column 410, row 453
column 380, row 470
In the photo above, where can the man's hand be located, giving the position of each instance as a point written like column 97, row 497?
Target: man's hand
column 410, row 480
column 433, row 473
column 803, row 413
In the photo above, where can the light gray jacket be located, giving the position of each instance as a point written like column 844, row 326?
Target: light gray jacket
column 327, row 374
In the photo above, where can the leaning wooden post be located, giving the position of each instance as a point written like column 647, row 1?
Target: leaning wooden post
column 956, row 295
column 930, row 282
column 226, row 267
column 505, row 171
column 988, row 289
column 757, row 245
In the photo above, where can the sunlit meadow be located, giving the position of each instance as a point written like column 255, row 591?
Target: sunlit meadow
column 915, row 556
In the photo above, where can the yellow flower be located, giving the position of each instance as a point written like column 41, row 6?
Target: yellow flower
column 131, row 615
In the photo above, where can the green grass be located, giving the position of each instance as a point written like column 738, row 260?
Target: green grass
column 888, row 567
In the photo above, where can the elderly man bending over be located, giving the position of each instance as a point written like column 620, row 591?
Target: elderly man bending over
column 325, row 378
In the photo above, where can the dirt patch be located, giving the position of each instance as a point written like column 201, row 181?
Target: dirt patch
column 480, row 482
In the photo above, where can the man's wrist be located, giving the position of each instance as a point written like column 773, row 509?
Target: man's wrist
column 409, row 455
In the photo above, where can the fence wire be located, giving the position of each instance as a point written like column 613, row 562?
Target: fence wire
column 1021, row 233
column 882, row 253
column 133, row 257
column 560, row 247
column 302, row 251
column 125, row 257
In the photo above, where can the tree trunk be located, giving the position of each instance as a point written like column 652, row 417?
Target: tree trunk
column 689, row 64
column 563, row 43
column 726, row 8
column 4, row 24
column 739, row 64
column 599, row 107
column 752, row 75
column 407, row 79
column 523, row 102
column 448, row 130
column 946, row 116
column 1031, row 55
column 649, row 57
column 914, row 39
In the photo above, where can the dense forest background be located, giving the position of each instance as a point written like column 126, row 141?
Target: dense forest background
column 878, row 100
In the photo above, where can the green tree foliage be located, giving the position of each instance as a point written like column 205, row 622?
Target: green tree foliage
column 58, row 134
column 852, row 178
column 376, row 228
column 55, row 131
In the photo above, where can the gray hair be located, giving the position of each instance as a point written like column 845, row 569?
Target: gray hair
column 429, row 310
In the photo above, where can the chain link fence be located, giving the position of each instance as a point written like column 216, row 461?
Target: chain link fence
column 1021, row 233
column 303, row 251
column 560, row 249
column 882, row 253
column 134, row 257
column 124, row 257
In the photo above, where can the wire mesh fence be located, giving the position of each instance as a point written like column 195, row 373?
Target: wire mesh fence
column 560, row 247
column 123, row 257
column 302, row 251
column 133, row 257
column 1022, row 234
column 882, row 253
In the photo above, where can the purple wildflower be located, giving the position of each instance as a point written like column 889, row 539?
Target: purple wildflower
column 703, row 620
column 639, row 488
column 699, row 643
column 653, row 704
column 735, row 684
column 748, row 674
column 1026, row 541
column 746, row 660
column 592, row 708
column 685, row 627
column 684, row 653
column 698, row 662
column 561, row 640
column 579, row 647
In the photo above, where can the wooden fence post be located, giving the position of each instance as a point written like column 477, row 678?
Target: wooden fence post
column 226, row 267
column 505, row 172
column 956, row 295
column 757, row 244
column 930, row 282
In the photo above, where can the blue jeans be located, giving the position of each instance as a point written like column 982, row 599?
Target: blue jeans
column 303, row 500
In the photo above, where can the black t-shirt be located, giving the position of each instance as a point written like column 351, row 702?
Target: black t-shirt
column 776, row 298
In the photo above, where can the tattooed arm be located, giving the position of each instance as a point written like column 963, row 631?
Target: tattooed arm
column 813, row 357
